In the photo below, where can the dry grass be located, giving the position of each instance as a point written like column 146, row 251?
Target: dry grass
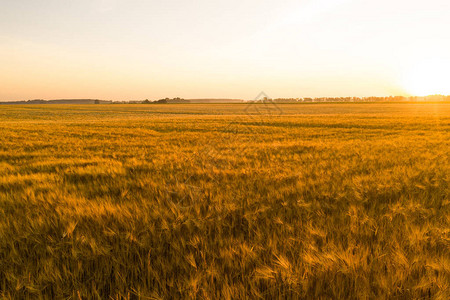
column 216, row 202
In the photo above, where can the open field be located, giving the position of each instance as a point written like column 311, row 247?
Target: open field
column 225, row 201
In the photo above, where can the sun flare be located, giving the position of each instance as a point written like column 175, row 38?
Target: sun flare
column 428, row 77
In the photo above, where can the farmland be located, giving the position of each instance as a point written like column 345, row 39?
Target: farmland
column 216, row 201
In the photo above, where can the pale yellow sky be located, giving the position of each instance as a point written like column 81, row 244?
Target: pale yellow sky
column 122, row 50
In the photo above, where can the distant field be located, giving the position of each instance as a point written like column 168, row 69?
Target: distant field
column 216, row 201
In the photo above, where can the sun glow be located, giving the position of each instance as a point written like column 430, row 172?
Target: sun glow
column 428, row 77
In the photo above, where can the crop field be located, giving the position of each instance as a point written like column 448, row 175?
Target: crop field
column 215, row 201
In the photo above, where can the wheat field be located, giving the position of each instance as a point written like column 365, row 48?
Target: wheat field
column 216, row 201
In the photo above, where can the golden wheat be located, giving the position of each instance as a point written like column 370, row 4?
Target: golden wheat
column 222, row 201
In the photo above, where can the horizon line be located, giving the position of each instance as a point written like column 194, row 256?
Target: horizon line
column 224, row 98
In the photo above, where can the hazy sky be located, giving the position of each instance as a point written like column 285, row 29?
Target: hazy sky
column 135, row 49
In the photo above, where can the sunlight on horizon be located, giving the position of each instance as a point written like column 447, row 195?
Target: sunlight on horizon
column 428, row 77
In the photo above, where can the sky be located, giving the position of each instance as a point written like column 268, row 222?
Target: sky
column 136, row 49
